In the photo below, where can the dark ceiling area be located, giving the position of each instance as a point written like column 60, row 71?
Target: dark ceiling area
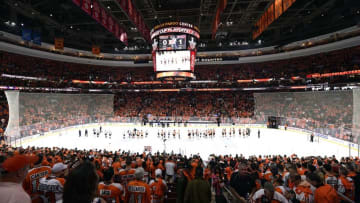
column 304, row 19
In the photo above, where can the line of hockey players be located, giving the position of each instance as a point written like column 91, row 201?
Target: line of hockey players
column 232, row 132
column 135, row 133
column 97, row 133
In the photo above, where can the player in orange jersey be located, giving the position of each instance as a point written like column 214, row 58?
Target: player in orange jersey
column 137, row 191
column 31, row 181
column 108, row 190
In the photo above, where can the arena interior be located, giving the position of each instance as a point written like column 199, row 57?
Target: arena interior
column 179, row 101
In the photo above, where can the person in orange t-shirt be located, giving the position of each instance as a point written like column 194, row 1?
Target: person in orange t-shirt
column 33, row 177
column 108, row 190
column 137, row 191
column 324, row 193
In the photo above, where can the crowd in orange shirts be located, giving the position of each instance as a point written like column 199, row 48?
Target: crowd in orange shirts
column 72, row 175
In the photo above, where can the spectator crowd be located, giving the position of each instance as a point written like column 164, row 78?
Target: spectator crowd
column 72, row 175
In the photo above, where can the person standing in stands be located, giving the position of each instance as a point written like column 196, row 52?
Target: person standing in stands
column 324, row 193
column 12, row 173
column 158, row 188
column 33, row 177
column 268, row 194
column 198, row 190
column 241, row 181
column 137, row 191
column 81, row 185
column 52, row 186
column 108, row 190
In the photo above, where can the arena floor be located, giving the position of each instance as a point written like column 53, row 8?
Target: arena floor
column 271, row 141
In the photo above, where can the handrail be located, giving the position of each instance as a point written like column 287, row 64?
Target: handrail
column 235, row 197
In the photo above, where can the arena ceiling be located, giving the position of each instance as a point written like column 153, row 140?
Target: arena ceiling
column 304, row 19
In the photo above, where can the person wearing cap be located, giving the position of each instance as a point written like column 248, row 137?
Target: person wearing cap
column 13, row 172
column 158, row 188
column 108, row 190
column 137, row 190
column 33, row 177
column 51, row 187
column 268, row 194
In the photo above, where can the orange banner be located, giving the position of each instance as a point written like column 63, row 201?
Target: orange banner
column 278, row 8
column 270, row 15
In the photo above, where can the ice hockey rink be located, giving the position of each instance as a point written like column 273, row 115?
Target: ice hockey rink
column 271, row 141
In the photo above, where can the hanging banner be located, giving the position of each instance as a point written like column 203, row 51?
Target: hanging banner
column 26, row 34
column 104, row 17
column 36, row 37
column 117, row 30
column 123, row 4
column 220, row 9
column 270, row 15
column 110, row 24
column 278, row 8
column 77, row 2
column 287, row 4
column 95, row 50
column 96, row 11
column 86, row 6
column 130, row 9
column 59, row 43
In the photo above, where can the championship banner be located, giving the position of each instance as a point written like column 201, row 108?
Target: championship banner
column 96, row 11
column 117, row 30
column 77, row 2
column 278, row 8
column 104, row 17
column 59, row 43
column 110, row 24
column 36, row 37
column 86, row 6
column 220, row 9
column 271, row 14
column 123, row 4
column 26, row 34
column 95, row 50
column 130, row 9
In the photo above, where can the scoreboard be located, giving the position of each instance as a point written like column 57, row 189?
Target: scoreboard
column 172, row 42
column 174, row 49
